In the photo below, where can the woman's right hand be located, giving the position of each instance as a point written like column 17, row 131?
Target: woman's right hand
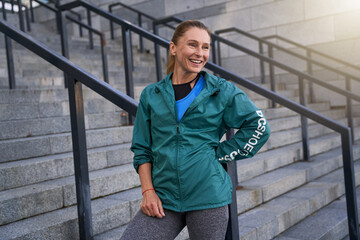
column 151, row 205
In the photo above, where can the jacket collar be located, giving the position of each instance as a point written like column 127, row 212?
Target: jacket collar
column 212, row 85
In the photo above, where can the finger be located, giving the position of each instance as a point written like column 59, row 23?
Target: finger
column 155, row 210
column 157, row 213
column 151, row 208
column 145, row 211
column 161, row 209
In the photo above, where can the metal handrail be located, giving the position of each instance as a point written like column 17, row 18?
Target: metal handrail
column 81, row 25
column 307, row 58
column 345, row 131
column 127, row 27
column 83, row 194
column 20, row 12
column 53, row 9
column 77, row 77
column 140, row 15
column 156, row 23
column 102, row 45
column 313, row 51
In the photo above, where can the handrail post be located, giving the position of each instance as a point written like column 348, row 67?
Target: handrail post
column 10, row 63
column 232, row 232
column 310, row 71
column 111, row 24
column 141, row 42
column 129, row 82
column 9, row 55
column 21, row 16
column 304, row 122
column 80, row 159
column 58, row 23
column 32, row 11
column 27, row 16
column 91, row 42
column 157, row 54
column 104, row 59
column 272, row 75
column 349, row 112
column 64, row 41
column 218, row 52
column 214, row 51
column 262, row 67
column 350, row 186
column 12, row 6
column 80, row 28
column 3, row 9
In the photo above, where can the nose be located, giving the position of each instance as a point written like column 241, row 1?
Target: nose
column 199, row 52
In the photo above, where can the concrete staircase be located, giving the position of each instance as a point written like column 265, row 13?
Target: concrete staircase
column 278, row 194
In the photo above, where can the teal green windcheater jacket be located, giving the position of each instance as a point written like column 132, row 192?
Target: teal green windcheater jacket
column 186, row 156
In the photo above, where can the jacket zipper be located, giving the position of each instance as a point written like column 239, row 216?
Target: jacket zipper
column 178, row 164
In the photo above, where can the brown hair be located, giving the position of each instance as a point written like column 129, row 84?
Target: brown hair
column 179, row 32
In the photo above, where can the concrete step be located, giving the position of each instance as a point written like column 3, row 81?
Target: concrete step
column 275, row 216
column 41, row 95
column 53, row 103
column 107, row 213
column 27, row 111
column 284, row 93
column 15, row 129
column 279, row 112
column 294, row 135
column 295, row 121
column 30, row 147
column 330, row 222
column 50, row 195
column 270, row 185
column 265, row 162
column 36, row 170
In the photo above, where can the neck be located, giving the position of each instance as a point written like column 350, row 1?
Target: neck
column 180, row 78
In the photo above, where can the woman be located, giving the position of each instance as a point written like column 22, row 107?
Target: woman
column 179, row 123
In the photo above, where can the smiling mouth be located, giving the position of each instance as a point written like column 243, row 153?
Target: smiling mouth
column 196, row 61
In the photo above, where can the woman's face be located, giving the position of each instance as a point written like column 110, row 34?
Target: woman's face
column 192, row 51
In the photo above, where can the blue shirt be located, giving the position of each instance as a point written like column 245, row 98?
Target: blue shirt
column 183, row 104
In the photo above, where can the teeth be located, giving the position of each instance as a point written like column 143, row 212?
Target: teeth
column 195, row 61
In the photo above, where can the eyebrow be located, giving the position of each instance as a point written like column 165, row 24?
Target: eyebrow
column 193, row 40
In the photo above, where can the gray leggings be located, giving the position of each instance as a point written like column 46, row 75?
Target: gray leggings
column 202, row 224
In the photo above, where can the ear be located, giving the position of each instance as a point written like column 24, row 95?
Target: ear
column 172, row 48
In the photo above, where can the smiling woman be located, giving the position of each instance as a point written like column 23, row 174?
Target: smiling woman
column 190, row 54
column 176, row 143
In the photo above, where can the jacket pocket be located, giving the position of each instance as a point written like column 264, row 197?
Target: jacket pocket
column 220, row 171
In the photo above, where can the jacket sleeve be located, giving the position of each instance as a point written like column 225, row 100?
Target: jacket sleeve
column 253, row 129
column 141, row 142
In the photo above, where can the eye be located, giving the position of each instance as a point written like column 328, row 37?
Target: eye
column 191, row 44
column 206, row 47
